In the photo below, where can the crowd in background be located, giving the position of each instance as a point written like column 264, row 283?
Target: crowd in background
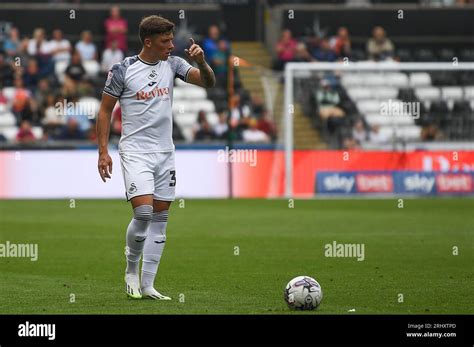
column 41, row 73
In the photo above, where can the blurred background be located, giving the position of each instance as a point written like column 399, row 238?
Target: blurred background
column 55, row 56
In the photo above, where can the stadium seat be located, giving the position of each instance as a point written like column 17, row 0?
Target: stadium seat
column 375, row 80
column 7, row 119
column 358, row 93
column 439, row 107
column 420, row 79
column 385, row 93
column 444, row 78
column 467, row 54
column 59, row 69
column 385, row 120
column 38, row 132
column 9, row 93
column 212, row 118
column 10, row 132
column 469, row 93
column 397, row 79
column 461, row 107
column 92, row 67
column 404, row 55
column 446, row 54
column 195, row 93
column 185, row 119
column 424, row 55
column 178, row 93
column 368, row 106
column 452, row 93
column 352, row 79
column 428, row 93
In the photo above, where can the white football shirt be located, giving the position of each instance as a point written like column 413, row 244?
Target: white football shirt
column 145, row 93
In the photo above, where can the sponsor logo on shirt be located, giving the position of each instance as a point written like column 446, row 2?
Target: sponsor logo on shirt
column 155, row 92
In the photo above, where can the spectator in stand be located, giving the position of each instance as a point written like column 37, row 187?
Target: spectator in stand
column 111, row 56
column 38, row 45
column 86, row 47
column 211, row 43
column 379, row 47
column 350, row 143
column 32, row 75
column 205, row 132
column 257, row 105
column 77, row 113
column 71, row 131
column 53, row 119
column 239, row 111
column 252, row 134
column 341, row 43
column 285, row 49
column 266, row 125
column 11, row 45
column 219, row 63
column 75, row 70
column 42, row 92
column 60, row 48
column 22, row 55
column 324, row 52
column 116, row 28
column 6, row 73
column 21, row 99
column 359, row 133
column 302, row 54
column 39, row 48
column 327, row 98
column 222, row 127
column 201, row 119
column 25, row 133
column 375, row 136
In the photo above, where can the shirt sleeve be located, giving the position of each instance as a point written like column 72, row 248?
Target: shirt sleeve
column 180, row 67
column 114, row 85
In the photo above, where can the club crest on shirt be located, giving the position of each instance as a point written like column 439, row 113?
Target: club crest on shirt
column 132, row 189
column 109, row 78
column 152, row 75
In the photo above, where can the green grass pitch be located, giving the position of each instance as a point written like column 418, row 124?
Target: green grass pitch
column 408, row 251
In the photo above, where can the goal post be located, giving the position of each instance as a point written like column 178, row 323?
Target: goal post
column 292, row 69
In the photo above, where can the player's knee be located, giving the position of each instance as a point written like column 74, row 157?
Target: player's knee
column 143, row 213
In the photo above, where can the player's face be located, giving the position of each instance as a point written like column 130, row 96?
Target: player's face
column 162, row 45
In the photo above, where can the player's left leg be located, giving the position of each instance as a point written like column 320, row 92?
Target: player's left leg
column 165, row 182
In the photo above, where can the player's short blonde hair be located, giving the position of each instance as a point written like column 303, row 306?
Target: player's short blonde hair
column 153, row 25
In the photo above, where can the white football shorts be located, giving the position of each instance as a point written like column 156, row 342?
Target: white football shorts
column 149, row 174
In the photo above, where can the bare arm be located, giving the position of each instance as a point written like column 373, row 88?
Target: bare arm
column 203, row 76
column 103, row 129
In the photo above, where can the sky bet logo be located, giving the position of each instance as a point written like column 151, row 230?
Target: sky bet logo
column 338, row 183
column 155, row 92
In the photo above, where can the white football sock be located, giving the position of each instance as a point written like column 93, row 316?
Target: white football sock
column 136, row 236
column 154, row 245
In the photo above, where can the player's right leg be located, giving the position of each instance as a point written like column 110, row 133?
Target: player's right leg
column 139, row 187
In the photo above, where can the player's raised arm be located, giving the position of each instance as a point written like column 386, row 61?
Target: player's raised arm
column 203, row 76
column 103, row 128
